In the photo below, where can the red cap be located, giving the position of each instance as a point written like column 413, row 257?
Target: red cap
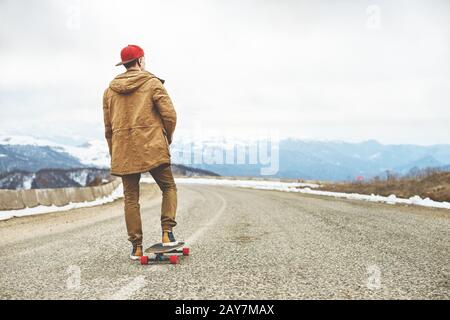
column 130, row 53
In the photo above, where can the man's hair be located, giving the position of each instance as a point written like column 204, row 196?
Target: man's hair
column 131, row 64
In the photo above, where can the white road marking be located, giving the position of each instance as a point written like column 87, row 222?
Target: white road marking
column 138, row 283
column 128, row 290
column 194, row 237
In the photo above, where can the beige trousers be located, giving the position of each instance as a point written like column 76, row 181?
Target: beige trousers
column 164, row 178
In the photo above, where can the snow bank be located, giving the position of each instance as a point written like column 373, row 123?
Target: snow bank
column 308, row 189
column 258, row 184
column 392, row 199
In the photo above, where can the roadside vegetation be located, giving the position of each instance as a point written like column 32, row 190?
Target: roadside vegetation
column 427, row 183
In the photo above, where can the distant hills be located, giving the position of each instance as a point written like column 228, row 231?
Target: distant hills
column 331, row 160
column 297, row 159
column 181, row 170
column 31, row 163
column 53, row 178
column 75, row 177
column 345, row 161
column 34, row 158
column 32, row 154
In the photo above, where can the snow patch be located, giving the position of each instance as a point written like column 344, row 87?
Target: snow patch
column 259, row 184
column 28, row 181
column 93, row 152
column 25, row 140
column 308, row 189
column 80, row 178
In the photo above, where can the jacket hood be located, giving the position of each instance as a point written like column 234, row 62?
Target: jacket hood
column 130, row 81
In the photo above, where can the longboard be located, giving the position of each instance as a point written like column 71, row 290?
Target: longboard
column 159, row 248
column 164, row 253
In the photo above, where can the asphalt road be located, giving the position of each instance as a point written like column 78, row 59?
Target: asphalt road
column 245, row 244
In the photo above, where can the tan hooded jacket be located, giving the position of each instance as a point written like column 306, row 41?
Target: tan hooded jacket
column 139, row 122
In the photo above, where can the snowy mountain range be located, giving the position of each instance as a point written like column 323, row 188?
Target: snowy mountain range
column 297, row 159
column 28, row 162
column 17, row 152
column 316, row 160
column 53, row 178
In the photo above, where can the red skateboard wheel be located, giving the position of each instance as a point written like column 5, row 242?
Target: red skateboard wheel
column 185, row 251
column 173, row 259
column 144, row 260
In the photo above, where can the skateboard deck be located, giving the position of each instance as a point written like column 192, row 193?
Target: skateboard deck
column 159, row 248
column 165, row 253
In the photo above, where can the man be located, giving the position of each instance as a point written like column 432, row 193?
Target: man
column 139, row 124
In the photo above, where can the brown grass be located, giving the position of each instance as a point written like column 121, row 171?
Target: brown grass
column 427, row 184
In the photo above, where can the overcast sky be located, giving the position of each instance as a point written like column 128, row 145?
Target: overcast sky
column 334, row 70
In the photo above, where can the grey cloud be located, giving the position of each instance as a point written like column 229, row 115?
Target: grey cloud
column 306, row 68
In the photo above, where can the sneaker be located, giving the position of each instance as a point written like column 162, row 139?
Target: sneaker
column 136, row 252
column 168, row 239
